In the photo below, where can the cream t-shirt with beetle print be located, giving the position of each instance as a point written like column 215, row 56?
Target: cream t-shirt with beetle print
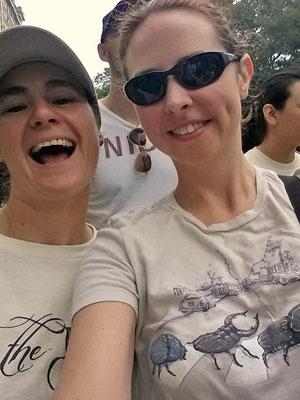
column 218, row 307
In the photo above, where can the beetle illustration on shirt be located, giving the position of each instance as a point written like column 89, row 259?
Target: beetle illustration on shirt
column 164, row 350
column 281, row 335
column 225, row 339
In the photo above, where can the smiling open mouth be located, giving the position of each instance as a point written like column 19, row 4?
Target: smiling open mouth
column 52, row 151
column 189, row 129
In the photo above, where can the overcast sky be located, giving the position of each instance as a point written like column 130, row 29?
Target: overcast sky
column 77, row 22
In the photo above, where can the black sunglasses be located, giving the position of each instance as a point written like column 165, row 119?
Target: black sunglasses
column 143, row 161
column 193, row 72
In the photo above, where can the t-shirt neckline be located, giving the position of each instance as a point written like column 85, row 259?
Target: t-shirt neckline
column 235, row 222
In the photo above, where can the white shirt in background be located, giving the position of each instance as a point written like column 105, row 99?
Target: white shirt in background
column 259, row 159
column 116, row 185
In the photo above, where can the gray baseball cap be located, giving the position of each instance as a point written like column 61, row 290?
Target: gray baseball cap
column 23, row 43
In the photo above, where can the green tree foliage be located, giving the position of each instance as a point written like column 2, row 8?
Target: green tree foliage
column 273, row 29
column 102, row 82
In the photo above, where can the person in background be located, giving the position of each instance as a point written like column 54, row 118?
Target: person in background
column 275, row 125
column 199, row 291
column 129, row 173
column 49, row 129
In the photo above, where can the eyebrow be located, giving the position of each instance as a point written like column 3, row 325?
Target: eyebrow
column 12, row 91
column 164, row 70
column 54, row 83
column 51, row 84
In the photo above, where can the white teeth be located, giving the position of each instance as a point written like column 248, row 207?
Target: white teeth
column 53, row 142
column 188, row 129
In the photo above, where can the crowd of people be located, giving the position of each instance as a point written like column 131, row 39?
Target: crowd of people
column 144, row 255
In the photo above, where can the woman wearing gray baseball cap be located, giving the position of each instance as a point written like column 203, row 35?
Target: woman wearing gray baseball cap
column 49, row 125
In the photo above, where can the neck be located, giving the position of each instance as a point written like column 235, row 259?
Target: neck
column 50, row 222
column 221, row 193
column 278, row 151
column 117, row 102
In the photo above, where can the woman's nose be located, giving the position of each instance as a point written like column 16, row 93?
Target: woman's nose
column 43, row 114
column 177, row 98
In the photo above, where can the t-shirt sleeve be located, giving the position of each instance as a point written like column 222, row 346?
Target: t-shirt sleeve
column 106, row 273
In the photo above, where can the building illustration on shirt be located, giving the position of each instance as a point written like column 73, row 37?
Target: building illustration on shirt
column 276, row 267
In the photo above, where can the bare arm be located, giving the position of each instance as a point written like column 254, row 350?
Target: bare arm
column 99, row 360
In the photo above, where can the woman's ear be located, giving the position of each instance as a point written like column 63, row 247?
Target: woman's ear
column 246, row 73
column 102, row 51
column 269, row 114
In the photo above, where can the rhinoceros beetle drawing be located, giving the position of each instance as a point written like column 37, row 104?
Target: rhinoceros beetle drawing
column 281, row 335
column 225, row 339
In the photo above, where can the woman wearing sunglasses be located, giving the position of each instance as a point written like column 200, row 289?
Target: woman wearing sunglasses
column 200, row 291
